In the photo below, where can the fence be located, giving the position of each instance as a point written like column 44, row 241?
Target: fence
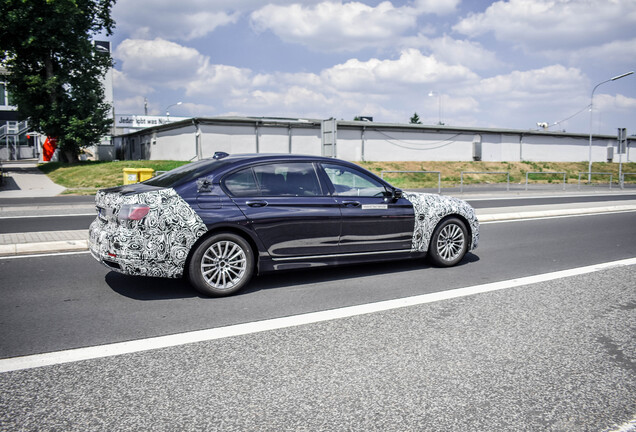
column 547, row 172
column 623, row 179
column 439, row 176
column 596, row 173
column 13, row 142
column 461, row 182
column 507, row 174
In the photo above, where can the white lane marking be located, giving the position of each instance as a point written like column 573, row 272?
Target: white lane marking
column 630, row 426
column 553, row 217
column 43, row 255
column 49, row 216
column 114, row 349
column 504, row 198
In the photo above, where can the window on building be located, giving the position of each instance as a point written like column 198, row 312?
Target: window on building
column 3, row 99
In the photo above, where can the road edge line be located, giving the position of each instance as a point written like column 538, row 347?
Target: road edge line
column 153, row 343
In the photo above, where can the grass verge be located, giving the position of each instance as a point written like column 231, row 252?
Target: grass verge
column 85, row 178
column 451, row 172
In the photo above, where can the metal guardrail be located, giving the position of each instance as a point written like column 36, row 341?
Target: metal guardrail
column 439, row 176
column 622, row 179
column 461, row 177
column 596, row 173
column 547, row 172
column 507, row 173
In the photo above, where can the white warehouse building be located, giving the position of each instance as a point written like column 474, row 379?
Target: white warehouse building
column 198, row 138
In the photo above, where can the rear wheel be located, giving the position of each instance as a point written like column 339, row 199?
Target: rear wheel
column 449, row 243
column 221, row 265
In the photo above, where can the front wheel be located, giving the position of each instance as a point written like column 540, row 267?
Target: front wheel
column 221, row 265
column 449, row 243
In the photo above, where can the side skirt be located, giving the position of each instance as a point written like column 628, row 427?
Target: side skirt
column 268, row 264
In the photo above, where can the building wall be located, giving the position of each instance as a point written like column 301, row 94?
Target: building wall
column 360, row 141
column 172, row 144
column 306, row 141
column 228, row 139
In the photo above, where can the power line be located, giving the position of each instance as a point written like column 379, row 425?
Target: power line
column 568, row 118
column 443, row 143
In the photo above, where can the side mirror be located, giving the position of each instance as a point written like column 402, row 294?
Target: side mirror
column 397, row 194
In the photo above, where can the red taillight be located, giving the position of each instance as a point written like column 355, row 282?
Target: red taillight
column 133, row 212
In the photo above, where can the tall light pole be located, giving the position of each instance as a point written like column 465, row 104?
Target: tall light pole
column 439, row 105
column 169, row 106
column 589, row 169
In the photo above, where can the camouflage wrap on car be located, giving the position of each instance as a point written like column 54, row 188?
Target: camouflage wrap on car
column 157, row 245
column 430, row 209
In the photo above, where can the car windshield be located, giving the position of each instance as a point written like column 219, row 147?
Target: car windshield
column 185, row 173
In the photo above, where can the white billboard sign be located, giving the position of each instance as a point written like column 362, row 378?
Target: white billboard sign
column 143, row 121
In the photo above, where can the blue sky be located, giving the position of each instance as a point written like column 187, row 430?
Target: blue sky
column 507, row 64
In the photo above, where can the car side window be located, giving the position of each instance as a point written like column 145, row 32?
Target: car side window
column 287, row 179
column 242, row 183
column 349, row 182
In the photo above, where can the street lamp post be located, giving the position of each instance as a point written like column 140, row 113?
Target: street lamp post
column 169, row 106
column 589, row 169
column 439, row 105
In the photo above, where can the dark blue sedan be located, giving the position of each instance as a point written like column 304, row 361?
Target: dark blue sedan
column 220, row 220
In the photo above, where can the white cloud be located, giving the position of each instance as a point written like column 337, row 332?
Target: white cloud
column 219, row 81
column 125, row 84
column 605, row 102
column 182, row 20
column 158, row 61
column 544, row 25
column 131, row 105
column 548, row 82
column 382, row 76
column 519, row 99
column 455, row 51
column 336, row 26
column 439, row 7
column 615, row 53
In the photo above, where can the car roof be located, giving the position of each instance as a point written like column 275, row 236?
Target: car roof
column 216, row 167
column 234, row 161
column 255, row 157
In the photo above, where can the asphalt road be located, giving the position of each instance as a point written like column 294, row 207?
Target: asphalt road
column 556, row 356
column 67, row 301
column 43, row 218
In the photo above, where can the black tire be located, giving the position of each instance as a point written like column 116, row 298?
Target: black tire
column 221, row 265
column 449, row 243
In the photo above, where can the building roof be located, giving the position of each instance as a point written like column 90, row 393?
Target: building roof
column 353, row 124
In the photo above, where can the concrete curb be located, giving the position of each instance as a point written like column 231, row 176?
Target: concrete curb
column 75, row 245
column 43, row 247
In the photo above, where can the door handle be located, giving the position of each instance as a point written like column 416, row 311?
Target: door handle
column 256, row 203
column 351, row 203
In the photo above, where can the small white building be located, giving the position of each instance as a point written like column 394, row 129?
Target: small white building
column 198, row 138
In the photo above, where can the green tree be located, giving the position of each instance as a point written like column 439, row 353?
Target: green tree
column 55, row 70
column 415, row 119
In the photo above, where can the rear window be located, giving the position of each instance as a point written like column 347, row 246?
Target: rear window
column 185, row 173
column 242, row 183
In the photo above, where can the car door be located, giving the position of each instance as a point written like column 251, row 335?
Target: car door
column 287, row 208
column 372, row 219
